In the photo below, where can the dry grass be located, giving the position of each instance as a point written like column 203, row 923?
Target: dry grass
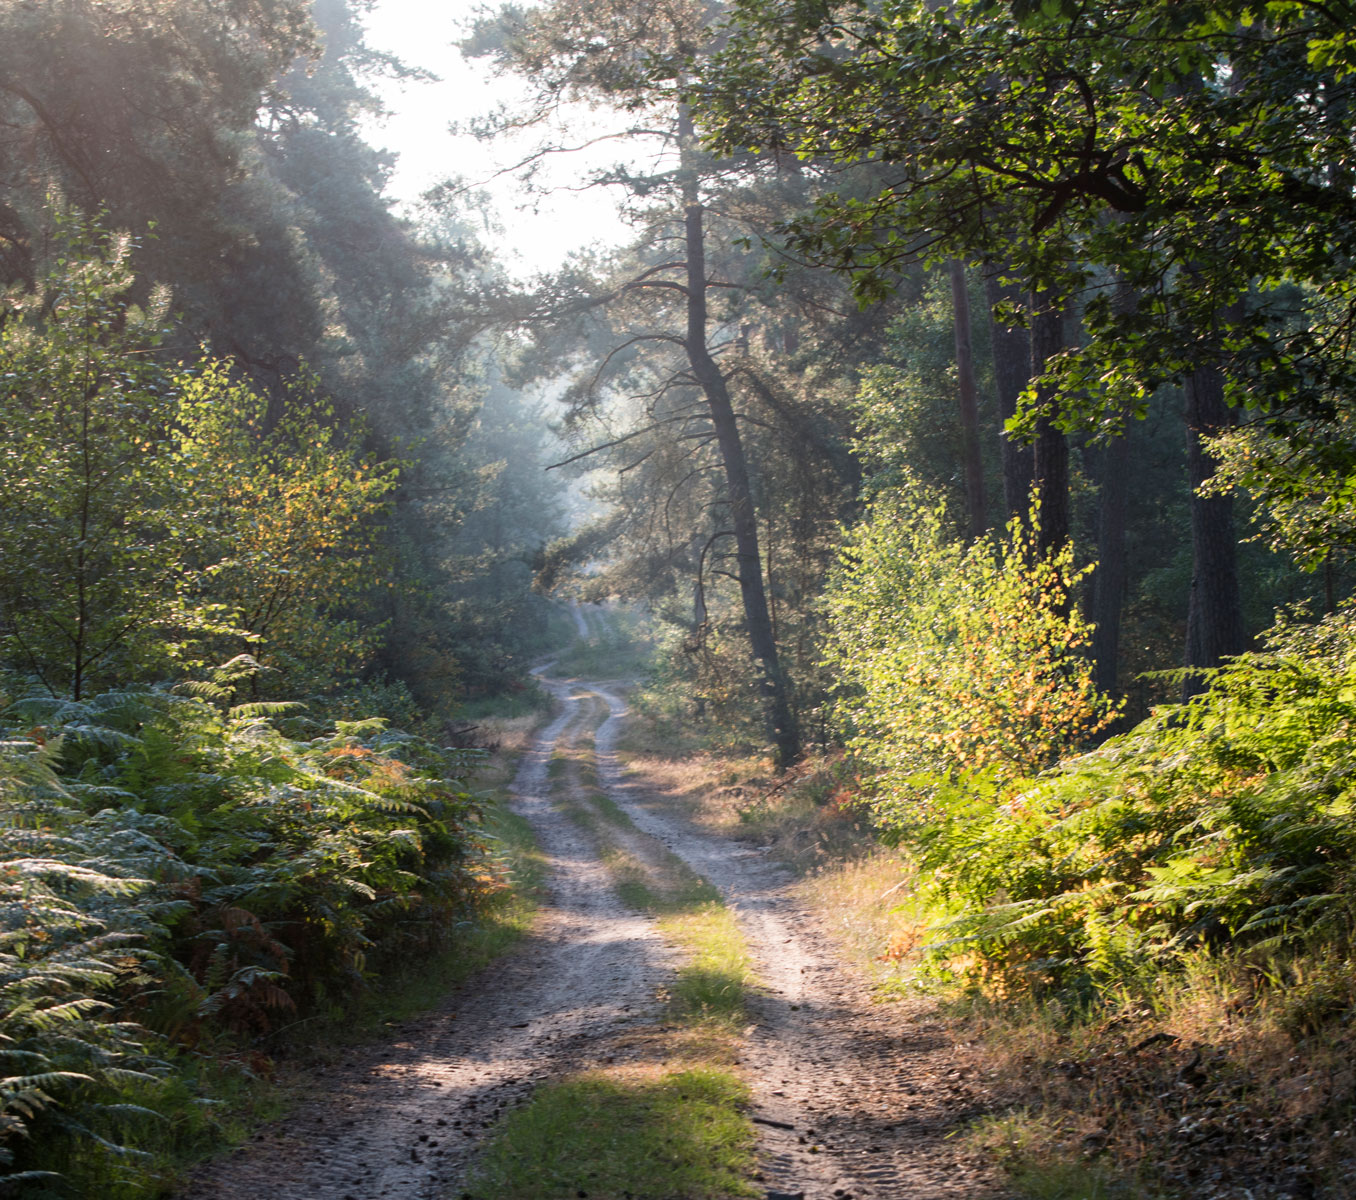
column 803, row 816
column 1222, row 1081
column 869, row 903
column 1212, row 1082
column 1219, row 1082
column 510, row 735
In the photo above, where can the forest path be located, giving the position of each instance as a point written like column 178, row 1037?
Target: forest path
column 851, row 1099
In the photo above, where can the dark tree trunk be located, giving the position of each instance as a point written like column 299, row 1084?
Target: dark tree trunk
column 1108, row 580
column 1012, row 370
column 1051, row 446
column 1215, row 611
column 781, row 723
column 969, row 403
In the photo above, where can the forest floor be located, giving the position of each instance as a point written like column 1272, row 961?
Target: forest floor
column 850, row 1099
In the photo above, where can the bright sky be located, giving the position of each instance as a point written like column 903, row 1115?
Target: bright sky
column 540, row 231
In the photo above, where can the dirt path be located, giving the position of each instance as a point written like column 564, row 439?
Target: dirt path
column 851, row 1099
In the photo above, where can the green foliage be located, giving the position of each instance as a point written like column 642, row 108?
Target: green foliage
column 955, row 658
column 678, row 1135
column 905, row 407
column 72, row 935
column 484, row 614
column 700, row 682
column 290, row 509
column 90, row 560
column 1176, row 144
column 177, row 874
column 160, row 518
column 1306, row 484
column 139, row 107
column 1221, row 822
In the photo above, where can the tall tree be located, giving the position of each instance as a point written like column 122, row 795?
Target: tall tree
column 140, row 107
column 1015, row 130
column 1050, row 446
column 1214, row 614
column 1012, row 369
column 1109, row 578
column 968, row 398
column 609, row 52
column 90, row 555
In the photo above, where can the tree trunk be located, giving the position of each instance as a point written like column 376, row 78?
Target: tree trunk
column 1051, row 446
column 780, row 720
column 1108, row 580
column 969, row 403
column 1215, row 611
column 1012, row 369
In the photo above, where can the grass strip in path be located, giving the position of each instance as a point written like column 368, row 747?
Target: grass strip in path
column 623, row 1135
column 662, row 1116
column 710, row 987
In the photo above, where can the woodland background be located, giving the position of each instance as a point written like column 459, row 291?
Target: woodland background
column 968, row 409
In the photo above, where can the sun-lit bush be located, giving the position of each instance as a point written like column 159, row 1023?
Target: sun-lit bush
column 1224, row 822
column 955, row 658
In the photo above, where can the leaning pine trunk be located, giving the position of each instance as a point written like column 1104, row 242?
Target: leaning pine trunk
column 781, row 724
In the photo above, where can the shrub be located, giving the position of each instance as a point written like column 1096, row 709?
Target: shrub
column 178, row 873
column 955, row 658
column 1221, row 823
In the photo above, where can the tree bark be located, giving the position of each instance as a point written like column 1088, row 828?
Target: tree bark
column 1108, row 580
column 1051, row 458
column 969, row 403
column 1012, row 369
column 1215, row 612
column 781, row 724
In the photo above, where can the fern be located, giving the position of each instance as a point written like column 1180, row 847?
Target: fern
column 167, row 856
column 1224, row 823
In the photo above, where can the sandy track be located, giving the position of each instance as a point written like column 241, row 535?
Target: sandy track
column 854, row 1099
column 851, row 1099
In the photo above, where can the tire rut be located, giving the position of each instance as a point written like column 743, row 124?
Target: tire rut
column 402, row 1120
column 852, row 1100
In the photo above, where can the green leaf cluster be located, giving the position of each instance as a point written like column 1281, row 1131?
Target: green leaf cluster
column 955, row 658
column 1194, row 154
column 160, row 516
column 177, row 874
column 1221, row 823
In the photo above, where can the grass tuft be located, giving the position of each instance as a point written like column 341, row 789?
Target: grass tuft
column 624, row 1133
column 711, row 986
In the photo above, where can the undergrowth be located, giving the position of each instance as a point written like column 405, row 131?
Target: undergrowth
column 190, row 889
column 1144, row 952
